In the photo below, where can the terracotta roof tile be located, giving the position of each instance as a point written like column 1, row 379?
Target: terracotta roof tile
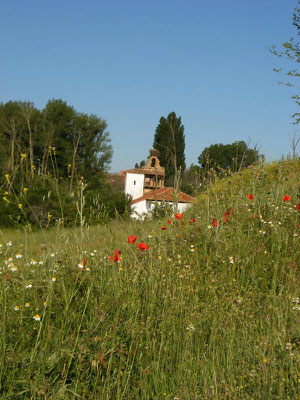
column 143, row 171
column 165, row 193
column 132, row 171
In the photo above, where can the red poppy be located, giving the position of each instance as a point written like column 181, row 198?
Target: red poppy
column 250, row 196
column 142, row 246
column 178, row 216
column 169, row 221
column 225, row 219
column 215, row 222
column 287, row 198
column 163, row 228
column 226, row 215
column 7, row 277
column 84, row 261
column 192, row 220
column 116, row 257
column 297, row 206
column 255, row 216
column 132, row 239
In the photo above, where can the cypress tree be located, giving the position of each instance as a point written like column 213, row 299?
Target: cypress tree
column 169, row 140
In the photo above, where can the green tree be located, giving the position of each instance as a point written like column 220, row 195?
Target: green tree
column 190, row 181
column 51, row 152
column 11, row 133
column 91, row 148
column 21, row 136
column 229, row 156
column 140, row 165
column 81, row 142
column 59, row 125
column 290, row 50
column 169, row 140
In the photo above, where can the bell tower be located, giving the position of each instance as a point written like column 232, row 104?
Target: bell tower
column 154, row 173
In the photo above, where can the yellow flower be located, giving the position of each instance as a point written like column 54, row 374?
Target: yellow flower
column 5, row 199
column 23, row 156
column 52, row 149
column 265, row 360
column 37, row 317
column 17, row 308
column 53, row 279
column 20, row 206
column 25, row 190
column 7, row 177
column 27, row 304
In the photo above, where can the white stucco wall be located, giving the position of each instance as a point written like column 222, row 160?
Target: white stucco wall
column 183, row 206
column 134, row 185
column 139, row 209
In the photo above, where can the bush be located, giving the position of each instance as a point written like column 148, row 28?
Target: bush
column 47, row 200
column 162, row 210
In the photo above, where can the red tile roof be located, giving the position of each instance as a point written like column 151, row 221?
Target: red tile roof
column 165, row 193
column 143, row 171
column 132, row 171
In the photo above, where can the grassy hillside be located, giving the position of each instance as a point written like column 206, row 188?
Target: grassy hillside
column 209, row 311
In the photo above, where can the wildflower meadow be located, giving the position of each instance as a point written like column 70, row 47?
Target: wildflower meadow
column 199, row 305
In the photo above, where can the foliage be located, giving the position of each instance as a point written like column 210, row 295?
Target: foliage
column 50, row 157
column 192, row 311
column 49, row 201
column 162, row 209
column 29, row 137
column 229, row 156
column 290, row 50
column 140, row 165
column 169, row 140
column 191, row 180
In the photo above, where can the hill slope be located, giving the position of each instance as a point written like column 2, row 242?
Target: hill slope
column 209, row 311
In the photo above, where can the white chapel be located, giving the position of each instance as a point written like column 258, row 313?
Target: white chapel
column 146, row 187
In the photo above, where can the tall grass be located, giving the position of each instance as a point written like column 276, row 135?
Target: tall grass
column 208, row 312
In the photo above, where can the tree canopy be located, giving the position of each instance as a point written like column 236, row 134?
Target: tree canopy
column 80, row 141
column 48, row 157
column 229, row 156
column 169, row 140
column 290, row 50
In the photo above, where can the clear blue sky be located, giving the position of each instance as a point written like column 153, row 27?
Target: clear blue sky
column 132, row 61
